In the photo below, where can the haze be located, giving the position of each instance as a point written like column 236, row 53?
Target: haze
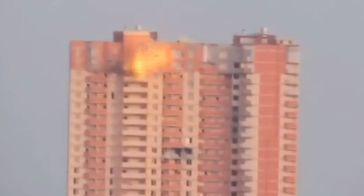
column 34, row 38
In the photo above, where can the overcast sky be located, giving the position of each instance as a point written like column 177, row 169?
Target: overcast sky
column 34, row 37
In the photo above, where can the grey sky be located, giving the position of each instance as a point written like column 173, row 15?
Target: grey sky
column 34, row 36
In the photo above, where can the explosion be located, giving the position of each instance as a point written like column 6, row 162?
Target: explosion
column 149, row 59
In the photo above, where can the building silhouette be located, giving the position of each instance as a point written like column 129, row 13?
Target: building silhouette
column 150, row 117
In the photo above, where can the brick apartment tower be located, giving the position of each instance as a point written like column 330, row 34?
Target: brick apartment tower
column 221, row 120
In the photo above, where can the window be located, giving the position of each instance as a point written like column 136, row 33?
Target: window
column 233, row 183
column 235, row 140
column 236, row 76
column 237, row 65
column 234, row 172
column 236, row 87
column 188, row 183
column 235, row 119
column 234, row 162
column 235, row 97
column 153, row 182
column 189, row 173
column 235, row 109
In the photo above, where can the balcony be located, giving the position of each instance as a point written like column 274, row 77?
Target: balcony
column 291, row 126
column 95, row 143
column 214, row 134
column 206, row 125
column 96, row 110
column 290, row 158
column 289, row 190
column 96, row 100
column 135, row 110
column 214, row 189
column 131, row 132
column 134, row 153
column 213, row 81
column 94, row 164
column 214, row 91
column 133, row 175
column 212, row 157
column 94, row 153
column 291, row 80
column 171, row 112
column 290, row 169
column 96, row 132
column 95, row 185
column 171, row 187
column 292, row 69
column 290, row 137
column 134, row 121
column 96, row 89
column 172, row 102
column 214, row 102
column 291, row 92
column 135, row 186
column 172, row 144
column 291, row 104
column 135, row 89
column 172, row 134
column 289, row 179
column 214, row 178
column 213, row 113
column 208, row 70
column 213, row 167
column 171, row 177
column 95, row 175
column 172, row 166
column 97, row 78
column 135, row 100
column 137, row 143
column 214, row 145
column 172, row 123
column 172, row 79
column 172, row 90
column 133, row 164
column 291, row 115
column 95, row 121
column 290, row 147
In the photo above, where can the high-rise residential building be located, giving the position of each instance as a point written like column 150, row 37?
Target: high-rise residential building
column 156, row 118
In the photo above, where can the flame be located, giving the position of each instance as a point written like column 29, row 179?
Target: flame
column 149, row 59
